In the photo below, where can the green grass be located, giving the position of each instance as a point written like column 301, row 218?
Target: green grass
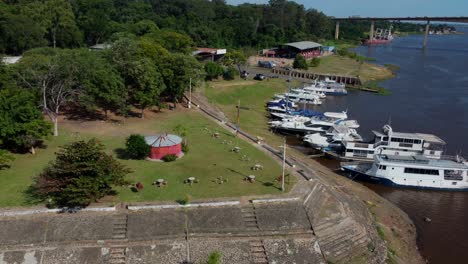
column 253, row 95
column 207, row 159
column 347, row 66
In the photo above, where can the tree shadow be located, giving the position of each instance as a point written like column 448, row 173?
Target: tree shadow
column 121, row 153
column 4, row 166
column 32, row 196
column 77, row 112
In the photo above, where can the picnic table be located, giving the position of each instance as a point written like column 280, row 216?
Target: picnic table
column 251, row 178
column 160, row 182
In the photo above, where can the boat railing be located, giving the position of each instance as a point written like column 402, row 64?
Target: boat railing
column 457, row 158
column 380, row 143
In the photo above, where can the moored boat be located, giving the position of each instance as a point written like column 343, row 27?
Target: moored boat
column 413, row 171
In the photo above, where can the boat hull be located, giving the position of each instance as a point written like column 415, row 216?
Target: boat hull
column 360, row 176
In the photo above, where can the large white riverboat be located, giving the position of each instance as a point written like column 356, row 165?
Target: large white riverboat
column 413, row 171
column 394, row 143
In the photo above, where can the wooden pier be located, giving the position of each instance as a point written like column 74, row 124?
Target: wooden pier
column 347, row 80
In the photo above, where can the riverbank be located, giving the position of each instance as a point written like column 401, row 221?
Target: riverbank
column 390, row 223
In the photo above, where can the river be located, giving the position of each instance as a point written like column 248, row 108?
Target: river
column 429, row 95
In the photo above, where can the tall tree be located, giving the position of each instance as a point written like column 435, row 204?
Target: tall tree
column 57, row 20
column 81, row 173
column 178, row 71
column 101, row 85
column 143, row 81
column 54, row 76
column 19, row 33
column 21, row 123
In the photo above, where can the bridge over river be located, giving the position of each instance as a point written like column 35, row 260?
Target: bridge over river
column 373, row 19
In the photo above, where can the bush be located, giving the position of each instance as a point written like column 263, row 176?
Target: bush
column 230, row 74
column 169, row 158
column 185, row 147
column 137, row 147
column 214, row 258
column 300, row 62
column 315, row 62
column 213, row 70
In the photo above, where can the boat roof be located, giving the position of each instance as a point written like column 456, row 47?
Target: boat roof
column 426, row 137
column 422, row 161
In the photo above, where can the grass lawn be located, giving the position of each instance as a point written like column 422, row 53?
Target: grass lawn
column 347, row 66
column 207, row 159
column 252, row 94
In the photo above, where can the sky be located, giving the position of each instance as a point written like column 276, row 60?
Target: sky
column 381, row 8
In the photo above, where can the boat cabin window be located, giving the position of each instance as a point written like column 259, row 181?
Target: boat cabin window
column 382, row 167
column 406, row 140
column 453, row 175
column 421, row 171
column 385, row 139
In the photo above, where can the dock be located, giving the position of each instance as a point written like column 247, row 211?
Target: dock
column 347, row 80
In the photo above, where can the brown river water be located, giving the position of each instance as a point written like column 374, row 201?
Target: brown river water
column 429, row 95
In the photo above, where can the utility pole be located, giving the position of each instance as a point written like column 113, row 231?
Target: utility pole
column 238, row 118
column 190, row 95
column 284, row 163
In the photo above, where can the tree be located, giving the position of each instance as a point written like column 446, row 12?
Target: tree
column 213, row 70
column 56, row 19
column 230, row 73
column 19, row 33
column 143, row 81
column 21, row 123
column 53, row 74
column 81, row 173
column 315, row 62
column 234, row 57
column 178, row 70
column 136, row 147
column 94, row 18
column 101, row 85
column 300, row 62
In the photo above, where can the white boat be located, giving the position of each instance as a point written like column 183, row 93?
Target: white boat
column 413, row 171
column 333, row 137
column 328, row 87
column 394, row 143
column 314, row 125
column 277, row 102
column 296, row 96
column 305, row 91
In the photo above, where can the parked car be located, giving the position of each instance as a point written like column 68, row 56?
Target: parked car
column 259, row 77
column 267, row 64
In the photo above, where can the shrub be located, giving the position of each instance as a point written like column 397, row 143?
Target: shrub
column 213, row 70
column 137, row 147
column 214, row 258
column 315, row 62
column 169, row 158
column 185, row 147
column 230, row 74
column 300, row 62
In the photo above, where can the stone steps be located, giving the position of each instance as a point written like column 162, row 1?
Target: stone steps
column 258, row 252
column 117, row 255
column 250, row 218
